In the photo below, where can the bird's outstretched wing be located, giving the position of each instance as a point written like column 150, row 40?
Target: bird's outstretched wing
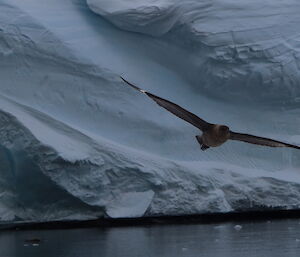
column 175, row 109
column 259, row 140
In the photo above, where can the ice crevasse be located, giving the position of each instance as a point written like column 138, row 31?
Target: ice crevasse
column 76, row 143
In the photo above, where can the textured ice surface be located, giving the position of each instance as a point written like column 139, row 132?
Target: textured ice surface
column 76, row 143
column 130, row 204
column 246, row 49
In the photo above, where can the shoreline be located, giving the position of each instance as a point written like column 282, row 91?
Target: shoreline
column 207, row 218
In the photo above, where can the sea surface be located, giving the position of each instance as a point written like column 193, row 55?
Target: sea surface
column 279, row 238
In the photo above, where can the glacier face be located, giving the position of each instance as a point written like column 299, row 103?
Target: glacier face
column 241, row 47
column 76, row 143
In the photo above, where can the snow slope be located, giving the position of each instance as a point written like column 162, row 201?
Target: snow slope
column 229, row 43
column 76, row 143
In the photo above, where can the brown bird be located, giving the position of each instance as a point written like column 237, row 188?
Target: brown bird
column 213, row 134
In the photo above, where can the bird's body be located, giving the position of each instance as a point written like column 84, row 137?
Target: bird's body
column 213, row 135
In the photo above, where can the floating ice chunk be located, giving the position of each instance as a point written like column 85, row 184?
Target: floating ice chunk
column 238, row 227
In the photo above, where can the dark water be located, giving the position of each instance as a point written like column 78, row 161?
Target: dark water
column 259, row 239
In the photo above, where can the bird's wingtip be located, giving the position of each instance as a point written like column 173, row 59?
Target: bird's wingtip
column 123, row 79
column 133, row 86
column 126, row 81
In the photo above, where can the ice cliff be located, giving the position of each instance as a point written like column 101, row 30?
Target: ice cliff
column 76, row 143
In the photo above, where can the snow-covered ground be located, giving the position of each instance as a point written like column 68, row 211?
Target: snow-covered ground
column 76, row 143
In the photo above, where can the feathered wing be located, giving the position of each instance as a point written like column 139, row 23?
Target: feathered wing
column 175, row 109
column 259, row 140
